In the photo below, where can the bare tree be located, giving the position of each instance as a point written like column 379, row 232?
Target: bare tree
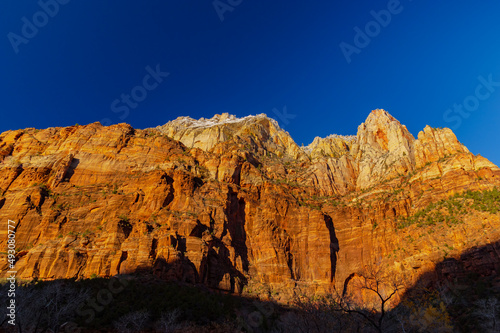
column 47, row 307
column 60, row 303
column 487, row 310
column 445, row 293
column 380, row 285
column 310, row 317
column 168, row 322
column 132, row 322
column 29, row 315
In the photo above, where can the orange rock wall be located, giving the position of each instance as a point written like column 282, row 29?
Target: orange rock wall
column 93, row 200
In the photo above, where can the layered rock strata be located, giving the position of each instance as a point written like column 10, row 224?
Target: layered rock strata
column 234, row 203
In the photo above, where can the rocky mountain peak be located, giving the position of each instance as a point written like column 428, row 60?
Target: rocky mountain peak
column 224, row 119
column 380, row 132
column 383, row 132
column 259, row 132
column 379, row 115
column 331, row 146
column 230, row 202
column 436, row 143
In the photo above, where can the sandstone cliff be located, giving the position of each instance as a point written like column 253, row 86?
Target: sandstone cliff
column 235, row 204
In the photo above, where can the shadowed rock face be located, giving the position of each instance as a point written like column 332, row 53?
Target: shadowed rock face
column 231, row 202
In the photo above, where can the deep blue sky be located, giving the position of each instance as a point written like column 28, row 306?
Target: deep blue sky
column 263, row 55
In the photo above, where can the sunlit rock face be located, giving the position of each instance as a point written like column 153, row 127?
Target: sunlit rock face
column 235, row 203
column 206, row 134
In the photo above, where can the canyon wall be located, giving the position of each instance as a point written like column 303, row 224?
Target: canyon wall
column 235, row 203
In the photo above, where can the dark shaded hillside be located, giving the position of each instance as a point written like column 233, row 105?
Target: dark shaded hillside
column 462, row 293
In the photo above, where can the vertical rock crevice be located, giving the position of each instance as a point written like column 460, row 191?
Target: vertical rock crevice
column 334, row 246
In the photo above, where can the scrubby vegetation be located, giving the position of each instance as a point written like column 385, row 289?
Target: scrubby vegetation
column 450, row 210
column 127, row 304
column 139, row 303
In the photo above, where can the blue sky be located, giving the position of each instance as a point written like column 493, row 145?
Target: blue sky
column 416, row 59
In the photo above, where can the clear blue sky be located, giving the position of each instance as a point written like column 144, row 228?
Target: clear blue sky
column 263, row 55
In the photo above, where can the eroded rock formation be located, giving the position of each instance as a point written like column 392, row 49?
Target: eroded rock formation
column 235, row 203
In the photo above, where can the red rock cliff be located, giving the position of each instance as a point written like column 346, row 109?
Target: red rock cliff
column 235, row 203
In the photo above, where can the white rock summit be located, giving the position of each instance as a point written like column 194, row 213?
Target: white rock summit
column 383, row 147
